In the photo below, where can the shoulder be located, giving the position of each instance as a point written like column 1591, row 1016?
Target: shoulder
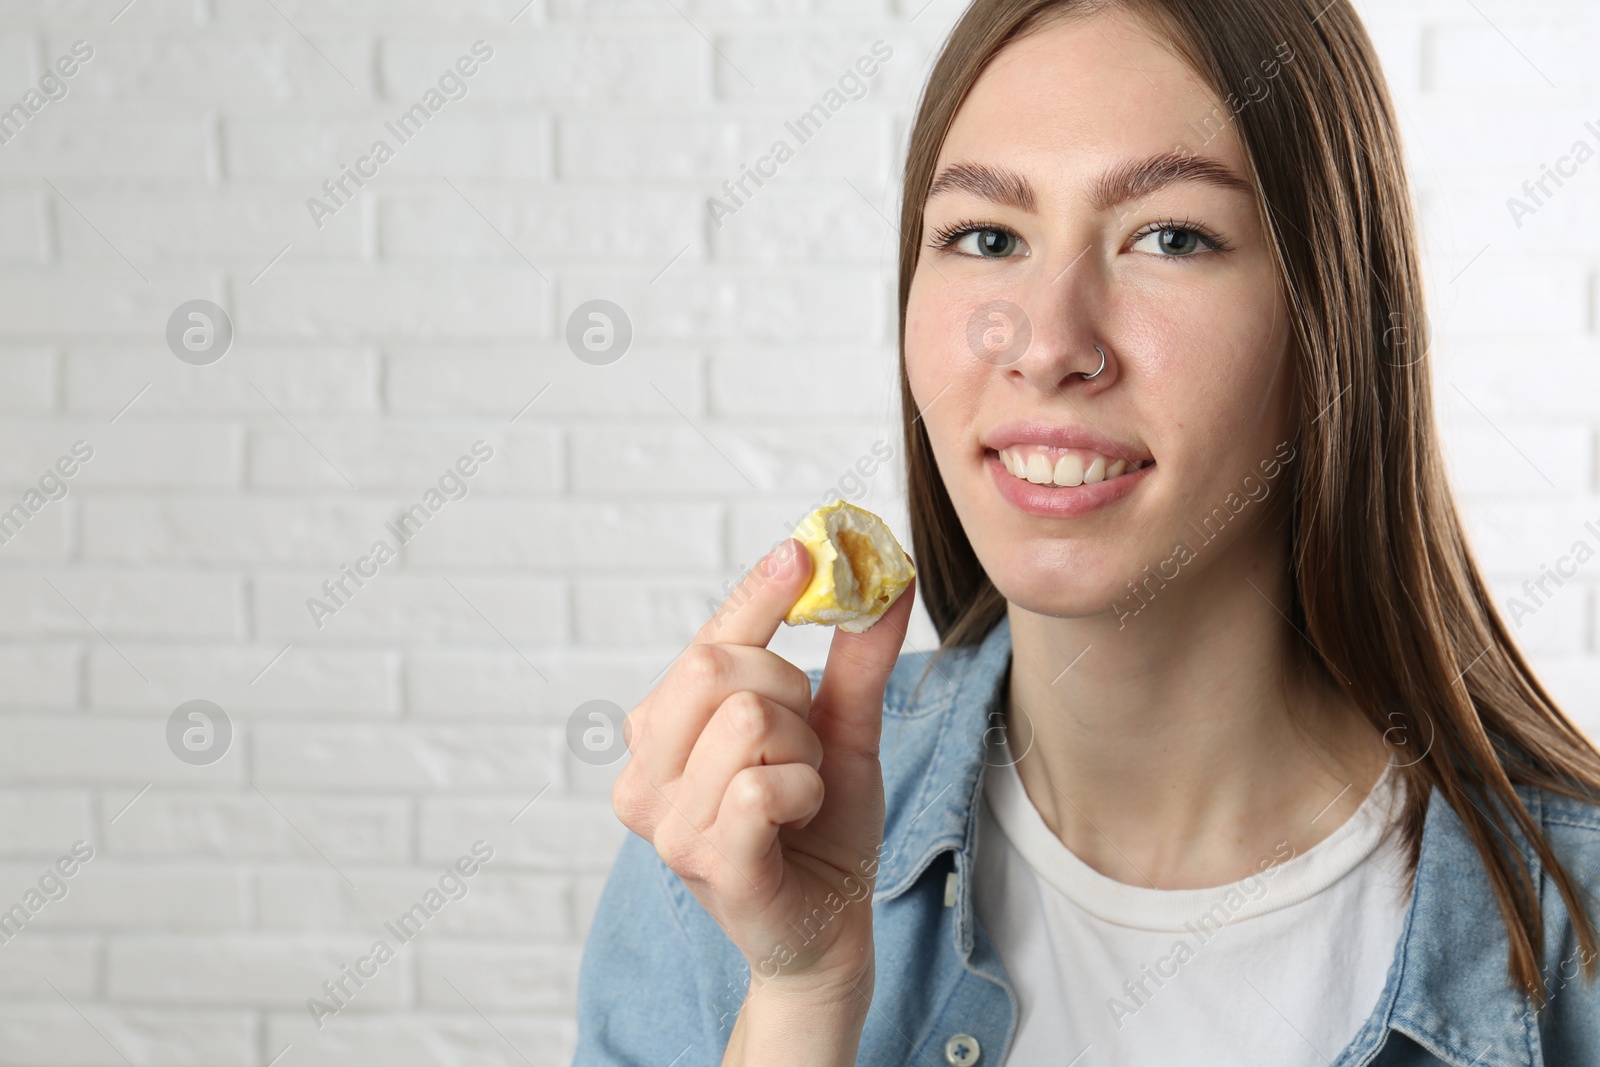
column 1572, row 829
column 1454, row 955
column 1569, row 1021
column 1575, row 820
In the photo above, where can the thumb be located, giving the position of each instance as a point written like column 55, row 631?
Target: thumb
column 847, row 709
column 752, row 613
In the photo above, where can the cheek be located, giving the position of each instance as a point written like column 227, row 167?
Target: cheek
column 946, row 383
column 932, row 345
column 1211, row 359
column 956, row 334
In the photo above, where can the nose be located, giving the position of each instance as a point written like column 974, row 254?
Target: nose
column 1062, row 312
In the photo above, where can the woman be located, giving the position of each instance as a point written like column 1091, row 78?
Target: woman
column 1225, row 756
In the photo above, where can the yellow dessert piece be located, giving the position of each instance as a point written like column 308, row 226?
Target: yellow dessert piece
column 857, row 568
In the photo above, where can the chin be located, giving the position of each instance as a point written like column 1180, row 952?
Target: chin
column 1070, row 588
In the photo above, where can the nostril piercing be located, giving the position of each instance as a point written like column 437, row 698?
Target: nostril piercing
column 1096, row 374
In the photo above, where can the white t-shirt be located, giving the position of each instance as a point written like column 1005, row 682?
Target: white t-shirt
column 1282, row 967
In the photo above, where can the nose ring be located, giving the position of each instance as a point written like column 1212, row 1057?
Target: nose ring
column 1096, row 374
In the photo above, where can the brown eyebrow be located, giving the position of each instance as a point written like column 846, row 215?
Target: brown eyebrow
column 998, row 184
column 1122, row 182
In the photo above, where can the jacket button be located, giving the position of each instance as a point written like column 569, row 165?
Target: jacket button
column 962, row 1050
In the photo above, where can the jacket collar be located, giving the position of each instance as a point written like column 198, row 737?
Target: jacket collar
column 1447, row 988
column 958, row 695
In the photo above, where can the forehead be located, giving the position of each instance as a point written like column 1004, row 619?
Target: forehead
column 1076, row 96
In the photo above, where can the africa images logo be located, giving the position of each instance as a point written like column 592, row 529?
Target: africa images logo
column 452, row 85
column 452, row 885
column 1143, row 590
column 453, row 484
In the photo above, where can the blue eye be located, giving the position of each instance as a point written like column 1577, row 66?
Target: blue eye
column 977, row 240
column 1178, row 240
column 1173, row 240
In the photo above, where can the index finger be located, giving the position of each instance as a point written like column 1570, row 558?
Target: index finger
column 753, row 612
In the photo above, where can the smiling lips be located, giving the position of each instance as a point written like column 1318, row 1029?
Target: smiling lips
column 1065, row 467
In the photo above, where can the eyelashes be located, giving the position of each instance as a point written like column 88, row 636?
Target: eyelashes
column 944, row 238
column 1216, row 241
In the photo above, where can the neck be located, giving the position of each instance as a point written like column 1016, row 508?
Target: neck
column 1182, row 749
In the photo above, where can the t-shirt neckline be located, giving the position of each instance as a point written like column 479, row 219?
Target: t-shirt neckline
column 1279, row 883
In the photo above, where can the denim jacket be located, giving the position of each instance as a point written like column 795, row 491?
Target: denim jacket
column 661, row 984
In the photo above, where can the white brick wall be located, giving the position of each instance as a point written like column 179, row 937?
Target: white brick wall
column 430, row 712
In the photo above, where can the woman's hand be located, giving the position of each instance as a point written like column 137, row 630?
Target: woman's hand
column 765, row 799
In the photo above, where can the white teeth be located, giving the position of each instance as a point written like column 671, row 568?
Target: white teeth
column 1068, row 471
column 1068, row 468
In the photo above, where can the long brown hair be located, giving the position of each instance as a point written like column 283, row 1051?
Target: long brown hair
column 1385, row 587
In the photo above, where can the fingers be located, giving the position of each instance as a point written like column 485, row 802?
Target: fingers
column 758, row 801
column 847, row 711
column 664, row 728
column 748, row 730
column 753, row 612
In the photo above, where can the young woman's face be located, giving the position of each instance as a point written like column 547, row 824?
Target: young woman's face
column 1044, row 251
